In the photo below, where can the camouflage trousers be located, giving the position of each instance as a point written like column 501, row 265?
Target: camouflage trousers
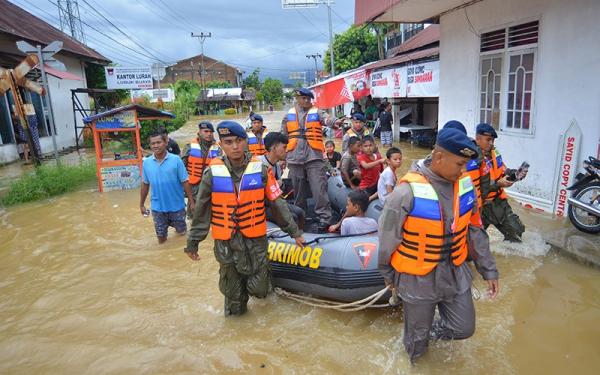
column 243, row 271
column 499, row 214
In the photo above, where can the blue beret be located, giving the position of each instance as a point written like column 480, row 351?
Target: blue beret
column 453, row 124
column 456, row 142
column 359, row 116
column 486, row 129
column 206, row 125
column 256, row 117
column 304, row 92
column 231, row 128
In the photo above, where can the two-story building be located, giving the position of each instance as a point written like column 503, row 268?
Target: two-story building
column 214, row 70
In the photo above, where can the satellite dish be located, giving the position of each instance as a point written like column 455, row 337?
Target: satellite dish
column 158, row 71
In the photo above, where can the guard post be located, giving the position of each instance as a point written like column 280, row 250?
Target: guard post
column 118, row 145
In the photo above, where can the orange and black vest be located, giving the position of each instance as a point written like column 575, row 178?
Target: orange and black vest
column 474, row 171
column 312, row 132
column 241, row 209
column 196, row 162
column 425, row 243
column 496, row 168
column 257, row 145
column 352, row 133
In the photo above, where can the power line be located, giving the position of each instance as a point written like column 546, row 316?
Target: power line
column 108, row 36
column 131, row 34
column 51, row 18
column 309, row 21
column 341, row 18
column 122, row 32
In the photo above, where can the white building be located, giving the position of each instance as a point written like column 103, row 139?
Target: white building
column 531, row 68
column 17, row 24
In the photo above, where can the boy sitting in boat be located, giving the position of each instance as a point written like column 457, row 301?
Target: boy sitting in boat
column 371, row 165
column 350, row 169
column 388, row 178
column 354, row 220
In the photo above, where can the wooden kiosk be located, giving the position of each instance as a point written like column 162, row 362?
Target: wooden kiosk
column 118, row 145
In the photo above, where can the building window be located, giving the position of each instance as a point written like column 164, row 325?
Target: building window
column 507, row 66
column 489, row 104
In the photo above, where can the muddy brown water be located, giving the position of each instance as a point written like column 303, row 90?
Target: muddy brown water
column 86, row 289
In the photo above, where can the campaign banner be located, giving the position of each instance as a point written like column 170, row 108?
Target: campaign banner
column 423, row 80
column 358, row 84
column 137, row 78
column 124, row 119
column 388, row 83
column 166, row 95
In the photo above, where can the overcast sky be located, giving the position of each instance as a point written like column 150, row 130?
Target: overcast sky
column 245, row 33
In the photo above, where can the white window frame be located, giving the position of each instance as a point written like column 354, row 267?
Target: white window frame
column 488, row 55
column 506, row 53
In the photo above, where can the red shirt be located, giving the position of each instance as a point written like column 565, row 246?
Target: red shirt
column 370, row 176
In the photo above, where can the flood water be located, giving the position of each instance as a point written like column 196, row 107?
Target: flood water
column 86, row 289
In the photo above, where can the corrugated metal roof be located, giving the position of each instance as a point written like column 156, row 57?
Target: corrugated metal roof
column 429, row 35
column 417, row 55
column 142, row 112
column 18, row 22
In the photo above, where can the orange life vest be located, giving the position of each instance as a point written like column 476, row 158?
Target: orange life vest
column 240, row 209
column 196, row 162
column 474, row 171
column 255, row 145
column 496, row 168
column 313, row 132
column 424, row 240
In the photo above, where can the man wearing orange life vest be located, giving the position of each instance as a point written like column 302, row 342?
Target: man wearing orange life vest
column 231, row 205
column 198, row 154
column 304, row 127
column 496, row 210
column 425, row 236
column 256, row 136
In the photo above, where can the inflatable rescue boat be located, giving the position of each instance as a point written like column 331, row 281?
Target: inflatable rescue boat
column 332, row 266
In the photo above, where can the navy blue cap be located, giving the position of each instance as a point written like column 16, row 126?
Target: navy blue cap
column 453, row 124
column 304, row 92
column 359, row 116
column 456, row 142
column 231, row 129
column 486, row 129
column 256, row 117
column 206, row 125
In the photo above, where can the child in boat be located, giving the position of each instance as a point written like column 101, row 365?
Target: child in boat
column 333, row 157
column 350, row 168
column 388, row 178
column 371, row 165
column 354, row 220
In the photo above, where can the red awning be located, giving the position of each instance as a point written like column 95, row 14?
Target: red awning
column 62, row 75
column 343, row 88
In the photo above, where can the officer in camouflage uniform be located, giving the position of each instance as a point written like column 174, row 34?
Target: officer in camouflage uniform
column 496, row 210
column 237, row 221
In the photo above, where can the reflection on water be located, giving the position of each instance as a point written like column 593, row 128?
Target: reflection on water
column 86, row 289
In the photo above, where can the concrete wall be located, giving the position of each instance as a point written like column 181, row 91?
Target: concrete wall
column 63, row 112
column 566, row 82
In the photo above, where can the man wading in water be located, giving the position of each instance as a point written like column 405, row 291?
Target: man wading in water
column 231, row 199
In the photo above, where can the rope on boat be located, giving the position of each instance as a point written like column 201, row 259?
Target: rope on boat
column 368, row 302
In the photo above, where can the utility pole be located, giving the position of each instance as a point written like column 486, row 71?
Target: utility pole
column 202, row 37
column 314, row 57
column 329, row 2
column 70, row 21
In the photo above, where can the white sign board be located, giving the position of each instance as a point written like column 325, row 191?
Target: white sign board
column 568, row 166
column 423, row 80
column 118, row 77
column 389, row 83
column 166, row 95
column 120, row 177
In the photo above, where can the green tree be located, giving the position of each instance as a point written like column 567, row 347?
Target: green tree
column 218, row 85
column 272, row 90
column 253, row 80
column 353, row 48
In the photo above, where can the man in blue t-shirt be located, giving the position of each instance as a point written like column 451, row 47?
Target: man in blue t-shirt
column 166, row 174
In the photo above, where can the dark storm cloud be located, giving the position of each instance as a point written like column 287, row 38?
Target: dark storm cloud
column 245, row 33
